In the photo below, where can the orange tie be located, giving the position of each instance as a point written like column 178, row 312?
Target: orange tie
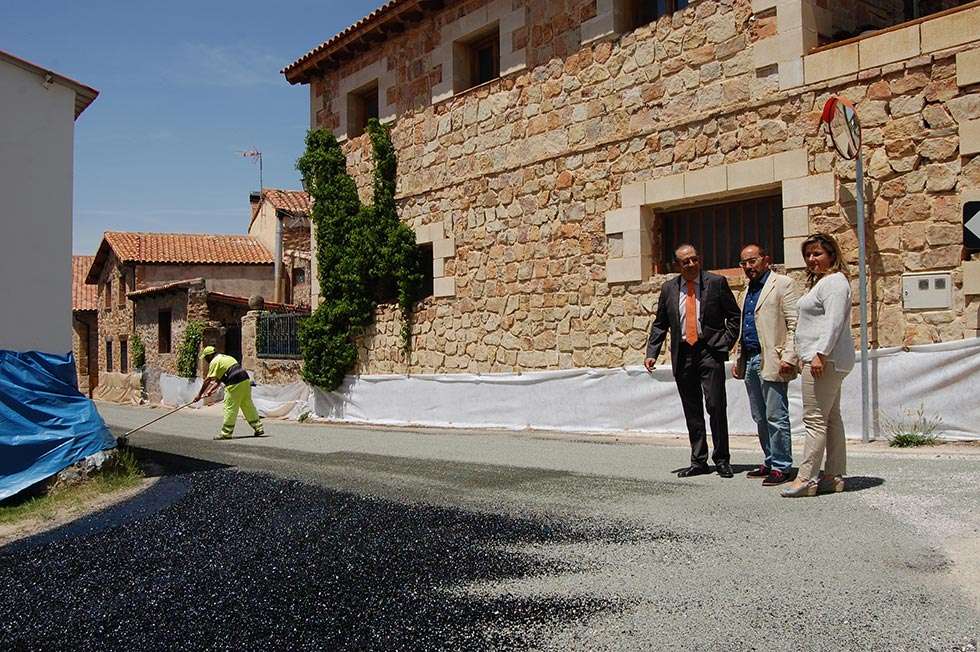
column 690, row 316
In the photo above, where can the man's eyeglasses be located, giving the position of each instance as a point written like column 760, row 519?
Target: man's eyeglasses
column 749, row 262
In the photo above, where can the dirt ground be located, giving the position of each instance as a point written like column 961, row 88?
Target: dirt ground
column 70, row 511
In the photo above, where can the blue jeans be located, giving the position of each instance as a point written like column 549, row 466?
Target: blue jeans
column 770, row 411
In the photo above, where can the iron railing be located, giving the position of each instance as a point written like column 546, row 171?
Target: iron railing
column 277, row 335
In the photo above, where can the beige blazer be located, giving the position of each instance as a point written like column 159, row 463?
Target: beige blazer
column 775, row 321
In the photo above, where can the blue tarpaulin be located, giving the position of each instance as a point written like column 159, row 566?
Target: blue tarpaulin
column 46, row 424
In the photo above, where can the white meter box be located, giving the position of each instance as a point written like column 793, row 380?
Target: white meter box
column 927, row 291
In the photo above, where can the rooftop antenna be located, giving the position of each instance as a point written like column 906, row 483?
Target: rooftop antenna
column 255, row 154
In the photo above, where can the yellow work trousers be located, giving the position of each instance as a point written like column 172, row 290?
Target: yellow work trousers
column 239, row 397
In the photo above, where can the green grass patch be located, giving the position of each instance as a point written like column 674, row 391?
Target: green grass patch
column 912, row 439
column 120, row 472
column 915, row 428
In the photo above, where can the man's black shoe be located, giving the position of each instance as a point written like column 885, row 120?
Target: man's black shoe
column 725, row 470
column 692, row 471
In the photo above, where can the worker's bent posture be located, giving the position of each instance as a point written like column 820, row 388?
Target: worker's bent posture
column 224, row 369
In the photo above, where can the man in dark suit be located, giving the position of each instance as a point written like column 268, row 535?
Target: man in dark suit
column 699, row 310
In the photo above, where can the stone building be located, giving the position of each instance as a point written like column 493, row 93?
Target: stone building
column 161, row 314
column 84, row 325
column 283, row 217
column 148, row 265
column 553, row 152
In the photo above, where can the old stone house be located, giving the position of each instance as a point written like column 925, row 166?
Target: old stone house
column 84, row 325
column 553, row 152
column 161, row 314
column 149, row 265
column 281, row 221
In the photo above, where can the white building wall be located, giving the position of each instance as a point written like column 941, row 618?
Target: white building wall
column 263, row 227
column 36, row 161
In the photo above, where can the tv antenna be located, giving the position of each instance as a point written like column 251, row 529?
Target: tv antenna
column 255, row 154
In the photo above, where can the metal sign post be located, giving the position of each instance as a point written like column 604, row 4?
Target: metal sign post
column 841, row 121
column 863, row 304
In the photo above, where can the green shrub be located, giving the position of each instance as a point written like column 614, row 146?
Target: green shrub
column 139, row 351
column 914, row 429
column 364, row 254
column 188, row 351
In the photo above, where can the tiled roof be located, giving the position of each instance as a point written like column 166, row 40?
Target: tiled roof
column 294, row 201
column 297, row 202
column 220, row 297
column 179, row 249
column 166, row 287
column 83, row 297
column 393, row 11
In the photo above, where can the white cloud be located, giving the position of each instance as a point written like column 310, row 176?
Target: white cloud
column 226, row 66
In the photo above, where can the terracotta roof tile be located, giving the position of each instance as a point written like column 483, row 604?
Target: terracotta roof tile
column 189, row 248
column 294, row 201
column 294, row 71
column 83, row 297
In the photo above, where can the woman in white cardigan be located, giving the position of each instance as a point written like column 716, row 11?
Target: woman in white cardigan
column 826, row 351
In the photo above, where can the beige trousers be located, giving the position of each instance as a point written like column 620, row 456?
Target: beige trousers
column 823, row 423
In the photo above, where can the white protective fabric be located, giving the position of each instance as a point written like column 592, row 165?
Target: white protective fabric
column 176, row 391
column 282, row 401
column 941, row 378
column 275, row 401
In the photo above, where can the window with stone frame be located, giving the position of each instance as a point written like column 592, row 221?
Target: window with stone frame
column 642, row 12
column 362, row 105
column 719, row 230
column 108, row 355
column 476, row 59
column 124, row 355
column 164, row 329
column 428, row 274
column 107, row 294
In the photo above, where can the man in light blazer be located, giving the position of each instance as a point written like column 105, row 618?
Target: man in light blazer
column 699, row 311
column 767, row 360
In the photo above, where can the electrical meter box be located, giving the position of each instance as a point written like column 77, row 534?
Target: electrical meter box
column 927, row 291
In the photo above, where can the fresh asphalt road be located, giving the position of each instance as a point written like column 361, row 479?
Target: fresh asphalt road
column 332, row 537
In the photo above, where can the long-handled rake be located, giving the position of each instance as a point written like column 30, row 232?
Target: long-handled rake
column 123, row 440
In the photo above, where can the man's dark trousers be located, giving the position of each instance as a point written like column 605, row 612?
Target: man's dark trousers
column 700, row 377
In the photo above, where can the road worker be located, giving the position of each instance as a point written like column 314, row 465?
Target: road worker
column 225, row 370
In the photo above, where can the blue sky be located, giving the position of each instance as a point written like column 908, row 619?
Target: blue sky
column 185, row 86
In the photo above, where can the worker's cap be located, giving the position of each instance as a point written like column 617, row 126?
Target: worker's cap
column 206, row 351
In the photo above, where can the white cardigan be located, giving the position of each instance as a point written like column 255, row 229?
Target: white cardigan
column 824, row 325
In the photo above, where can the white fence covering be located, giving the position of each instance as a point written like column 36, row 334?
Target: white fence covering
column 942, row 379
column 275, row 401
column 939, row 378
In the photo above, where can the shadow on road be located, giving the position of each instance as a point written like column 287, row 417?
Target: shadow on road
column 251, row 561
column 862, row 482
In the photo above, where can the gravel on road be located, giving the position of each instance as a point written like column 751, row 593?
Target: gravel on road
column 334, row 538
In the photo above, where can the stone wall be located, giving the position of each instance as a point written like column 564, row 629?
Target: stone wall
column 147, row 311
column 296, row 255
column 521, row 173
column 266, row 371
column 115, row 318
